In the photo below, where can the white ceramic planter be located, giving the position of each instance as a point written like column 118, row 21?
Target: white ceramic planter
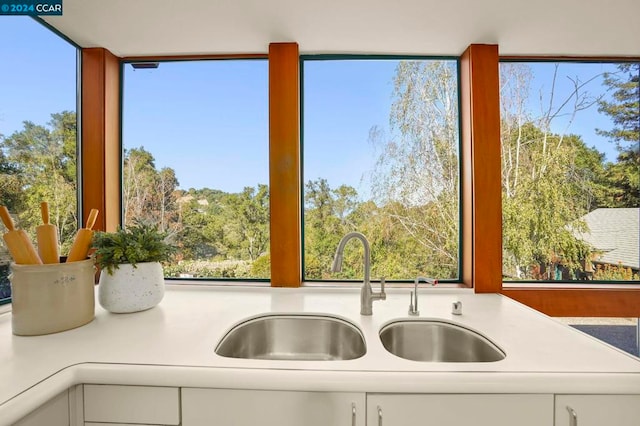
column 131, row 289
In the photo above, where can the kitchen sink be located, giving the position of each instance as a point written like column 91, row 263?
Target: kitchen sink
column 438, row 341
column 295, row 337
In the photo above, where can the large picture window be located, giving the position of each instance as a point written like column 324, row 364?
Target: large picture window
column 570, row 163
column 38, row 140
column 196, row 162
column 381, row 156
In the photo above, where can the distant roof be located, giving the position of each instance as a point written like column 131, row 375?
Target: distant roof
column 615, row 233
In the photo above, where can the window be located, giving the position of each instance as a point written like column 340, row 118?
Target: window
column 38, row 141
column 196, row 162
column 381, row 156
column 570, row 188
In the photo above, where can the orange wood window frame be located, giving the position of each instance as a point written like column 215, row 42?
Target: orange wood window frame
column 100, row 128
column 479, row 72
column 568, row 301
column 284, row 165
column 481, row 169
column 481, row 176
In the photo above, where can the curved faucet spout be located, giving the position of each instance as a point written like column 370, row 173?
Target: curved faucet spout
column 367, row 295
column 337, row 260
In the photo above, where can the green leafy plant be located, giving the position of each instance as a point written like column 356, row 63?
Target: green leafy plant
column 137, row 243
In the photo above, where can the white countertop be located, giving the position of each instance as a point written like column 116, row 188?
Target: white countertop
column 173, row 345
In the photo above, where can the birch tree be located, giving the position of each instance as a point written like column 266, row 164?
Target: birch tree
column 549, row 179
column 416, row 173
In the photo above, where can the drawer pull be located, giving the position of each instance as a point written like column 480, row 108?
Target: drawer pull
column 573, row 417
column 353, row 414
column 379, row 416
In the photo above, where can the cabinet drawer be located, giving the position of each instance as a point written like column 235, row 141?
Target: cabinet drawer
column 233, row 407
column 115, row 424
column 598, row 410
column 460, row 409
column 131, row 404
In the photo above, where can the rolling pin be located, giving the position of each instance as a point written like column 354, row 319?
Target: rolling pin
column 47, row 238
column 18, row 242
column 81, row 244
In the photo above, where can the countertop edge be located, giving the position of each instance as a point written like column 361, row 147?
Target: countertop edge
column 315, row 380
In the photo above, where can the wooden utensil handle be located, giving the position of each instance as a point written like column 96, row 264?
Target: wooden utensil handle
column 93, row 215
column 6, row 218
column 44, row 209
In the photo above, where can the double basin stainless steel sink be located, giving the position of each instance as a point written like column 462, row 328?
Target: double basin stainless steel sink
column 325, row 338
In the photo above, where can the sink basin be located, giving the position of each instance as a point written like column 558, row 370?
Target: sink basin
column 438, row 341
column 293, row 337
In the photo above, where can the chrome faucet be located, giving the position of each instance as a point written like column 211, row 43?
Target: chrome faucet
column 413, row 304
column 367, row 295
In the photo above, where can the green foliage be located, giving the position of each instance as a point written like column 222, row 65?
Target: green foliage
column 149, row 194
column 614, row 273
column 412, row 221
column 247, row 228
column 261, row 267
column 549, row 196
column 323, row 227
column 137, row 243
column 625, row 107
column 624, row 110
column 415, row 227
column 38, row 163
column 210, row 269
column 10, row 185
column 549, row 181
column 624, row 179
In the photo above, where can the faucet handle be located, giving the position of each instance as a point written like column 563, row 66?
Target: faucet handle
column 382, row 285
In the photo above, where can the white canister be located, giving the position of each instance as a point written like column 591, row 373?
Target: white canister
column 51, row 298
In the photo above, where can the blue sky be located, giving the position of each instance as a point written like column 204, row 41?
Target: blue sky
column 209, row 120
column 206, row 120
column 37, row 76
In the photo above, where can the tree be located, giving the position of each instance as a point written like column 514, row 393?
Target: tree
column 326, row 220
column 247, row 227
column 167, row 197
column 139, row 188
column 38, row 163
column 549, row 180
column 149, row 194
column 10, row 185
column 416, row 174
column 624, row 110
column 200, row 233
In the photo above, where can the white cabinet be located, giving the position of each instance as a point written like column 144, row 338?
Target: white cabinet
column 202, row 407
column 459, row 410
column 54, row 412
column 597, row 410
column 142, row 405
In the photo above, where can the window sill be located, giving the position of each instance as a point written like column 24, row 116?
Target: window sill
column 558, row 285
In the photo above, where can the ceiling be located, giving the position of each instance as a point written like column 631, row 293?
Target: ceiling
column 430, row 27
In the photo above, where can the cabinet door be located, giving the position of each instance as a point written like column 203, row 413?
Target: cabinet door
column 209, row 407
column 55, row 412
column 597, row 410
column 459, row 410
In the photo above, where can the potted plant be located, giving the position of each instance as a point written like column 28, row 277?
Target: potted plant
column 131, row 277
